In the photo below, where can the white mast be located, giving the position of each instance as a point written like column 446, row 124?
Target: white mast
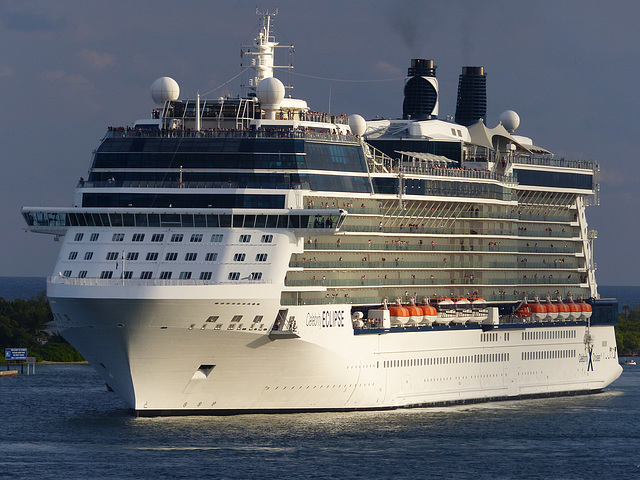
column 264, row 45
column 198, row 118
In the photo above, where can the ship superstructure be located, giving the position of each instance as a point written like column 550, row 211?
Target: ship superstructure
column 249, row 254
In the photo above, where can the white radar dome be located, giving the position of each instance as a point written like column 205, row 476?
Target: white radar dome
column 510, row 120
column 270, row 93
column 357, row 124
column 163, row 89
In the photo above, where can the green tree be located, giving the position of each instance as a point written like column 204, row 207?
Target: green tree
column 21, row 325
column 628, row 331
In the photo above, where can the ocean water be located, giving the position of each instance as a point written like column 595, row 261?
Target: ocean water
column 63, row 423
column 12, row 288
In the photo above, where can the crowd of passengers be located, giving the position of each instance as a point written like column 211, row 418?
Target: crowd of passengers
column 252, row 130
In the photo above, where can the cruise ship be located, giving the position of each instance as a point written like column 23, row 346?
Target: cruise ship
column 249, row 254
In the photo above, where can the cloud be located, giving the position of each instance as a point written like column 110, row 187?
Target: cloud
column 97, row 60
column 386, row 68
column 31, row 22
column 68, row 79
column 616, row 178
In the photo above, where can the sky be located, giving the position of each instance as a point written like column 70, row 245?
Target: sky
column 71, row 68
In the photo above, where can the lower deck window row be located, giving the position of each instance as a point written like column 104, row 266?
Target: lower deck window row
column 419, row 362
column 548, row 354
column 548, row 334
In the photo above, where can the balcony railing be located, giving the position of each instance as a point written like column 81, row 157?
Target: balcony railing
column 122, row 132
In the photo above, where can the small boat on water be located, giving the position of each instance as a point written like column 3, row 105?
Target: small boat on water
column 630, row 361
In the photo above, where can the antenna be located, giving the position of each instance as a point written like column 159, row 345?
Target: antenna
column 262, row 51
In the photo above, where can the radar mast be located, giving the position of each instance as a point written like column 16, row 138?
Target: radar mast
column 262, row 52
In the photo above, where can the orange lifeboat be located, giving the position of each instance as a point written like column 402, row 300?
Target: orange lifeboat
column 574, row 311
column 399, row 316
column 552, row 310
column 563, row 310
column 429, row 314
column 538, row 311
column 585, row 310
column 415, row 314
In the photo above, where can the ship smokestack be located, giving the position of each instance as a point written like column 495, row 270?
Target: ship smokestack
column 420, row 91
column 471, row 105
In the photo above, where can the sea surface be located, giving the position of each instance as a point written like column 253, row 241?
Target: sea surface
column 62, row 423
column 12, row 288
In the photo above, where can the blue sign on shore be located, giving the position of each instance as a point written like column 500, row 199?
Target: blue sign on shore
column 15, row 353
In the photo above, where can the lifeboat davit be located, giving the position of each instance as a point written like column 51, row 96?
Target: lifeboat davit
column 524, row 311
column 563, row 310
column 446, row 311
column 552, row 310
column 429, row 314
column 574, row 311
column 585, row 310
column 538, row 311
column 463, row 311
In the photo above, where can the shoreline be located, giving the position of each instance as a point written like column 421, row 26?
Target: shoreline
column 47, row 362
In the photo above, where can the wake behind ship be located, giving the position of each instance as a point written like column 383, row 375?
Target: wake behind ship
column 247, row 254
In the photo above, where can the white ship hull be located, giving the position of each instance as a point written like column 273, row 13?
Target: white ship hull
column 152, row 350
column 231, row 255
